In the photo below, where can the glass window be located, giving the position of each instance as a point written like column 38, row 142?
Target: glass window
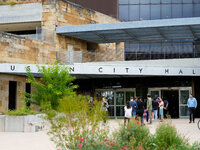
column 145, row 12
column 134, row 12
column 196, row 1
column 134, row 1
column 155, row 12
column 176, row 11
column 187, row 1
column 123, row 12
column 144, row 1
column 165, row 1
column 155, row 1
column 123, row 1
column 197, row 10
column 166, row 11
column 176, row 1
column 187, row 10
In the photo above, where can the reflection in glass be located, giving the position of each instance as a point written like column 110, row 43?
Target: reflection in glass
column 154, row 94
column 111, row 111
column 119, row 110
column 129, row 95
column 184, row 111
column 184, row 96
column 119, row 98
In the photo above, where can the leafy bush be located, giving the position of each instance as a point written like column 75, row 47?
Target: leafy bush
column 21, row 111
column 134, row 135
column 55, row 83
column 74, row 119
column 166, row 137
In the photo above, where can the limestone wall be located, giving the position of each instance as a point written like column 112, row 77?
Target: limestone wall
column 62, row 13
column 4, row 90
column 15, row 49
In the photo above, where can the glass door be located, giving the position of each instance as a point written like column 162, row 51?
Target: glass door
column 109, row 94
column 120, row 103
column 184, row 95
column 116, row 99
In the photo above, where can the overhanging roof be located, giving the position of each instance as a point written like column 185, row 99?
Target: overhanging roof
column 148, row 30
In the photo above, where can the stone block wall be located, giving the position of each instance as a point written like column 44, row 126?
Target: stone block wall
column 15, row 49
column 4, row 90
column 64, row 13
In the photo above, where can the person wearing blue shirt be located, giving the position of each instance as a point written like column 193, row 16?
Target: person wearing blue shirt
column 192, row 105
column 134, row 106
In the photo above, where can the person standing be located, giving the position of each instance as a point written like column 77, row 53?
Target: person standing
column 192, row 105
column 140, row 109
column 104, row 107
column 134, row 106
column 161, row 106
column 149, row 107
column 165, row 107
column 128, row 112
column 155, row 109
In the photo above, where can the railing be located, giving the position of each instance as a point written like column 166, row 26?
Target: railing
column 42, row 34
column 70, row 57
column 181, row 50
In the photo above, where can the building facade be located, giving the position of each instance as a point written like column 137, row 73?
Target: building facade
column 160, row 55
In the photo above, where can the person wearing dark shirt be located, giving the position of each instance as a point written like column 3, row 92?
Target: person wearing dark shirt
column 134, row 106
column 155, row 109
column 140, row 109
column 165, row 107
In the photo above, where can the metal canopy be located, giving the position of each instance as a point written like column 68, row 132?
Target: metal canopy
column 148, row 30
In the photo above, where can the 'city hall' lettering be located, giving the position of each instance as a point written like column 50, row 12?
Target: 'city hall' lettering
column 115, row 70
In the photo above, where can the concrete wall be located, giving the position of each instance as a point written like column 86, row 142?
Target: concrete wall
column 20, row 13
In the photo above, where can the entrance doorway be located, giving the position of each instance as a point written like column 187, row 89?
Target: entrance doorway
column 116, row 99
column 172, row 97
column 177, row 98
column 12, row 95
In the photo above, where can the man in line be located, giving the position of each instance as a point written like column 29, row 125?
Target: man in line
column 134, row 106
column 192, row 105
column 149, row 107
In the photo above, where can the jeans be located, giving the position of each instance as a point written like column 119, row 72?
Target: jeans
column 155, row 112
column 134, row 113
column 150, row 115
column 161, row 113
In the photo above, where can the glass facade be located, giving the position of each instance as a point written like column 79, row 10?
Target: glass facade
column 138, row 10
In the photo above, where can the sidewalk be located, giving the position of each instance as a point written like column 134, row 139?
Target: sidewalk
column 189, row 130
column 41, row 141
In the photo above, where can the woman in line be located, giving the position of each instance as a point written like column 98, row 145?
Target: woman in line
column 128, row 112
column 140, row 109
column 161, row 106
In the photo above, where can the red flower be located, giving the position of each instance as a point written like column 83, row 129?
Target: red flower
column 79, row 138
column 137, row 122
column 139, row 147
column 82, row 139
column 106, row 146
column 105, row 140
column 79, row 145
column 125, row 147
column 111, row 143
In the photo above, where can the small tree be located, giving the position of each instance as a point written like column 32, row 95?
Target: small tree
column 70, row 115
column 54, row 84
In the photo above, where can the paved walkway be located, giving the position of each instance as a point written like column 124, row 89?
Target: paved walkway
column 41, row 141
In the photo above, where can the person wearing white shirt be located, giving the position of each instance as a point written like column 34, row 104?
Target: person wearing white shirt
column 128, row 112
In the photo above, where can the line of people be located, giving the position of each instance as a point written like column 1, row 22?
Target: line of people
column 150, row 109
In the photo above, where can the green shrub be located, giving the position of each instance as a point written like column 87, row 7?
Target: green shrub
column 135, row 136
column 167, row 138
column 21, row 111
